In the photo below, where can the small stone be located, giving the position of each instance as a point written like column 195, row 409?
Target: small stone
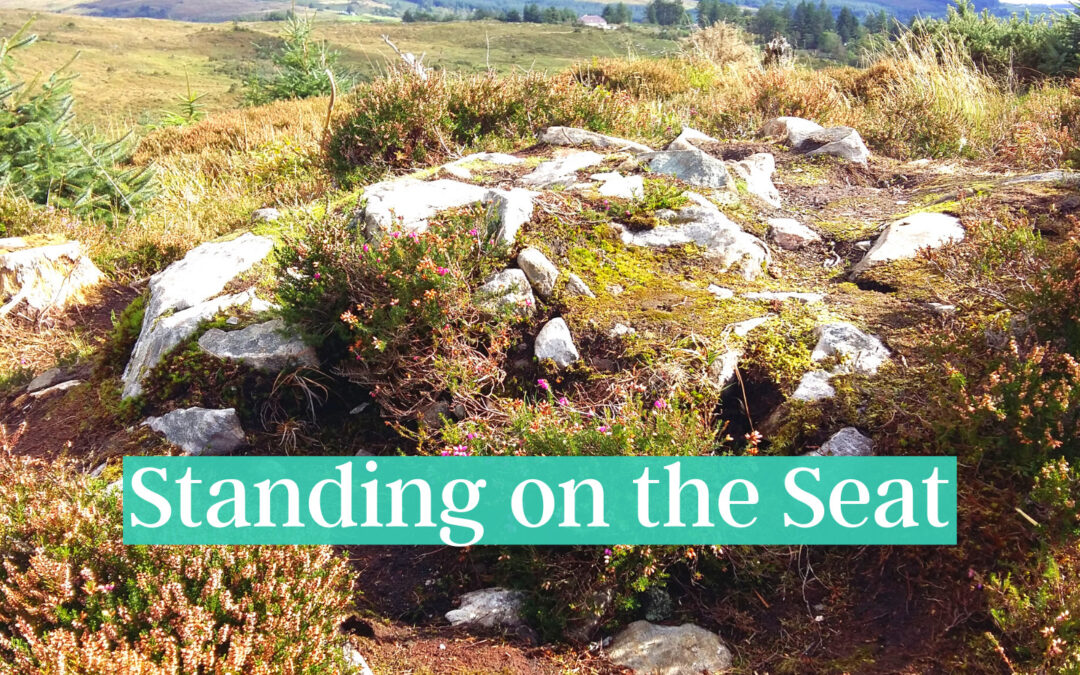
column 847, row 442
column 791, row 235
column 669, row 650
column 509, row 288
column 743, row 328
column 267, row 215
column 615, row 289
column 941, row 309
column 55, row 389
column 722, row 368
column 511, row 209
column 814, row 386
column 554, row 342
column 619, row 186
column 354, row 659
column 862, row 353
column 540, row 271
column 46, row 379
column 757, row 171
column 721, row 292
column 864, row 245
column 492, row 608
column 575, row 285
column 688, row 140
column 45, row 277
column 200, row 431
column 620, row 330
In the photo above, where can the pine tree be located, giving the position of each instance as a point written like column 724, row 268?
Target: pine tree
column 302, row 67
column 45, row 160
column 846, row 24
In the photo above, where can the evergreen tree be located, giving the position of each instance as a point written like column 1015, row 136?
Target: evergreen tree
column 301, row 67
column 531, row 14
column 46, row 160
column 617, row 13
column 665, row 12
column 846, row 25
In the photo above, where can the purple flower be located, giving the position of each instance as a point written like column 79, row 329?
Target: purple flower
column 366, row 248
column 442, row 271
column 473, row 232
column 471, row 436
column 603, row 428
column 564, row 401
column 660, row 404
column 318, row 276
column 543, row 384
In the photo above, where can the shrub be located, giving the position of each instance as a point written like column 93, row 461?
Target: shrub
column 401, row 121
column 723, row 45
column 401, row 308
column 653, row 78
column 74, row 598
column 303, row 67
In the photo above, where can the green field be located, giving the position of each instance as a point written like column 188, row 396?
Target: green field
column 131, row 69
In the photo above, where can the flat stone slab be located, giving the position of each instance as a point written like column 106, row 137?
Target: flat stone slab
column 406, row 204
column 784, row 296
column 862, row 353
column 200, row 431
column 561, row 171
column 577, row 137
column 268, row 346
column 615, row 184
column 904, row 238
column 44, row 277
column 669, row 650
column 688, row 140
column 791, row 235
column 462, row 168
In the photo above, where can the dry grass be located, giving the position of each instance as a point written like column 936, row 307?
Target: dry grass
column 723, row 45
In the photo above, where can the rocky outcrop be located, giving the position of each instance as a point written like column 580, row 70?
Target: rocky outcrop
column 44, row 277
column 702, row 224
column 267, row 346
column 406, row 204
column 510, row 209
column 182, row 295
column 200, row 431
column 906, row 237
column 507, row 289
column 791, row 235
column 848, row 442
column 267, row 215
column 561, row 171
column 691, row 166
column 462, row 168
column 784, row 296
column 578, row 137
column 810, row 138
column 540, row 271
column 555, row 343
column 669, row 650
column 491, row 608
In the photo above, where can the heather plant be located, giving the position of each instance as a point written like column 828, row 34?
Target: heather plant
column 399, row 310
column 402, row 121
column 74, row 598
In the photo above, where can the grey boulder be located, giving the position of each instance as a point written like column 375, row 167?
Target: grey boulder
column 575, row 285
column 615, row 184
column 791, row 235
column 688, row 140
column 691, row 166
column 492, row 608
column 561, row 171
column 200, row 431
column 757, row 171
column 45, row 277
column 669, row 650
column 810, row 138
column 267, row 346
column 554, row 342
column 507, row 289
column 540, row 271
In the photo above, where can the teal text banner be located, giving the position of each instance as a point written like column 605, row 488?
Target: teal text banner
column 463, row 501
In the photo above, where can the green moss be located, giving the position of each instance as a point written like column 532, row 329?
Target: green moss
column 127, row 325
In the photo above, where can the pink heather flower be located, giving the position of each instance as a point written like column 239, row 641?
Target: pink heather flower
column 604, row 429
column 471, row 436
column 564, row 401
column 543, row 384
column 366, row 248
column 607, row 551
column 659, row 404
column 445, row 453
column 395, row 235
column 473, row 232
column 442, row 271
column 414, row 236
column 318, row 276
